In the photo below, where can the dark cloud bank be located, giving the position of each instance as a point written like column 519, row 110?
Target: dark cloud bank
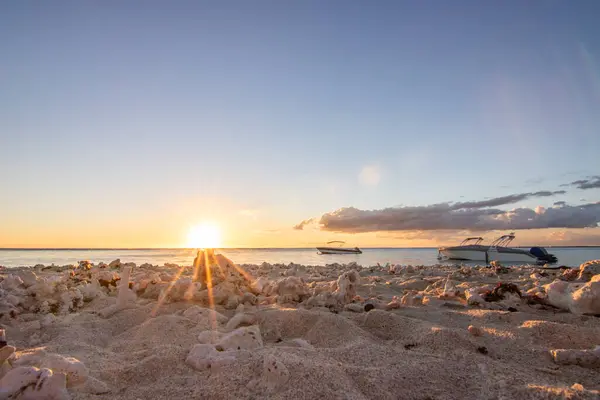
column 473, row 216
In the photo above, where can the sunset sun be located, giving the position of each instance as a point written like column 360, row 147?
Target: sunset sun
column 204, row 236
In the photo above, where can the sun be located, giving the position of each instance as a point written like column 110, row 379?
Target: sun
column 204, row 236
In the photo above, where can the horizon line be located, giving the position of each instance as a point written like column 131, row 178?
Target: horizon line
column 243, row 248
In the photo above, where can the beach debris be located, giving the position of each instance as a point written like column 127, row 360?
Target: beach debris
column 583, row 358
column 475, row 330
column 500, row 292
column 368, row 307
column 578, row 298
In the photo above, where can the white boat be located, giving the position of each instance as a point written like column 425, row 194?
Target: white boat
column 471, row 249
column 338, row 250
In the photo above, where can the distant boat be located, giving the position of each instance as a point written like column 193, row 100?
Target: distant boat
column 470, row 249
column 338, row 250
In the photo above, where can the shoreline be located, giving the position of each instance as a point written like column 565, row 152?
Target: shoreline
column 121, row 331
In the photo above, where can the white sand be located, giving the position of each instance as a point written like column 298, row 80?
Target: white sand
column 391, row 352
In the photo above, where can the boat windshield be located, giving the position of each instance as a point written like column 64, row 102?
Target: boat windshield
column 337, row 241
column 471, row 241
column 503, row 241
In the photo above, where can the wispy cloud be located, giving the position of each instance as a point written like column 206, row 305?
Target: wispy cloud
column 510, row 199
column 370, row 175
column 534, row 181
column 593, row 182
column 472, row 216
column 253, row 214
column 302, row 224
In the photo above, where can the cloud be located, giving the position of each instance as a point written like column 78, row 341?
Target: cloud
column 370, row 175
column 570, row 238
column 510, row 199
column 584, row 184
column 560, row 203
column 250, row 213
column 472, row 216
column 534, row 181
column 302, row 224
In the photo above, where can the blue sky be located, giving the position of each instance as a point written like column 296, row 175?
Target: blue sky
column 124, row 110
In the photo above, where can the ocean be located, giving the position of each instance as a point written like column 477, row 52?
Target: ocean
column 570, row 256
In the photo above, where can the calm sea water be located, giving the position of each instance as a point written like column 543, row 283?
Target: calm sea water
column 421, row 256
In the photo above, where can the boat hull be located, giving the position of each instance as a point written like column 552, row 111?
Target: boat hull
column 337, row 250
column 489, row 255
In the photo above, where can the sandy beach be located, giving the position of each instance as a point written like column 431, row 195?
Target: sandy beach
column 227, row 331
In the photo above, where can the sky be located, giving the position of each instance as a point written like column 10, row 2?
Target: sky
column 125, row 124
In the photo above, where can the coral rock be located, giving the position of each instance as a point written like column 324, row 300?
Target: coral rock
column 588, row 269
column 210, row 337
column 354, row 307
column 240, row 319
column 346, row 286
column 12, row 283
column 76, row 372
column 275, row 374
column 579, row 298
column 475, row 330
column 291, row 289
column 473, row 297
column 583, row 358
column 200, row 314
column 245, row 338
column 29, row 278
column 411, row 298
column 205, row 356
column 414, row 284
column 33, row 383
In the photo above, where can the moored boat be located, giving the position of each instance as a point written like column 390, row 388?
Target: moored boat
column 471, row 249
column 338, row 250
